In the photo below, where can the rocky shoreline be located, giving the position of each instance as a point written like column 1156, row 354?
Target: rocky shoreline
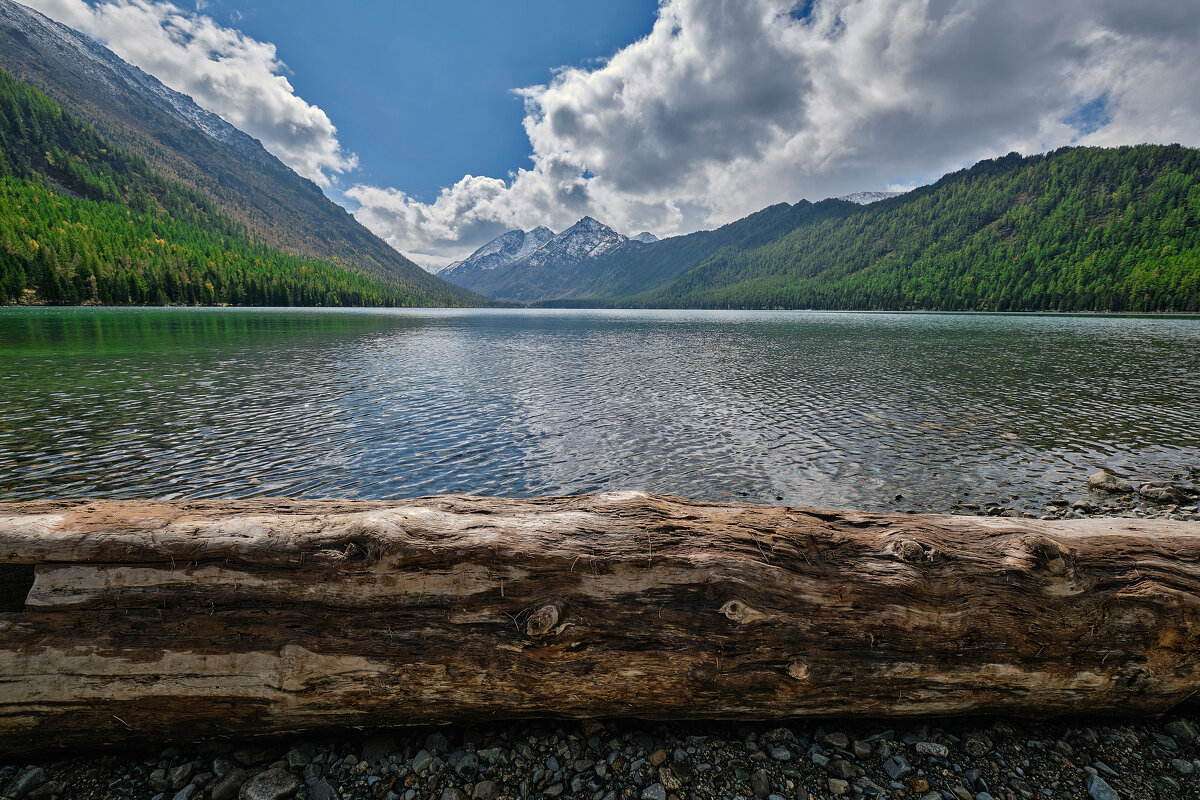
column 1106, row 495
column 975, row 759
column 981, row 759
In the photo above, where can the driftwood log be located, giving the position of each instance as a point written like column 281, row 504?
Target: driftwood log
column 126, row 620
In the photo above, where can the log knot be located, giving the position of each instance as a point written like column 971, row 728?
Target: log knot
column 542, row 621
column 1049, row 553
column 912, row 552
column 739, row 612
column 797, row 670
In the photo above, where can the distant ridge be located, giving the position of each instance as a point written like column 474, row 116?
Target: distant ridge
column 186, row 143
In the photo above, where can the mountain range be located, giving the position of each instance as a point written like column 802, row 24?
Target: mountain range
column 521, row 266
column 1075, row 229
column 591, row 259
column 198, row 150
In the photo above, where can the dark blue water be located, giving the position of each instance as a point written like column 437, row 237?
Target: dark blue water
column 827, row 409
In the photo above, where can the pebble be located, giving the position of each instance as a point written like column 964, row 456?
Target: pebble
column 655, row 791
column 274, row 784
column 1182, row 731
column 897, row 767
column 1106, row 481
column 838, row 740
column 178, row 777
column 931, row 749
column 230, row 784
column 467, row 765
column 322, row 790
column 1099, row 789
column 421, row 760
column 760, row 783
column 839, row 787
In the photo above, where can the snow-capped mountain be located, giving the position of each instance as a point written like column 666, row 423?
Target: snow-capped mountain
column 866, row 198
column 504, row 249
column 524, row 266
column 587, row 238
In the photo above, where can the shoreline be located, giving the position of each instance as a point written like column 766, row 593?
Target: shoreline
column 499, row 305
column 956, row 759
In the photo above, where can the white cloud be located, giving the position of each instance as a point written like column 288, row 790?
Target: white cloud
column 728, row 106
column 222, row 69
column 731, row 105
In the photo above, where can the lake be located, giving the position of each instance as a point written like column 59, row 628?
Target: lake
column 842, row 410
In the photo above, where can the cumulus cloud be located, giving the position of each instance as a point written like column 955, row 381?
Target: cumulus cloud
column 728, row 106
column 222, row 69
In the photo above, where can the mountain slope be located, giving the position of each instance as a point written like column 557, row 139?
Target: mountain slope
column 185, row 143
column 84, row 222
column 1075, row 229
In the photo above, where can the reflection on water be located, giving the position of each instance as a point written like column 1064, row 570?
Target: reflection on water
column 836, row 410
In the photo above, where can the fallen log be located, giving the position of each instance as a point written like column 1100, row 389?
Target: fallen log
column 139, row 620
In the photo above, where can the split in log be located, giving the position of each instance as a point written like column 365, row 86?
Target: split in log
column 135, row 620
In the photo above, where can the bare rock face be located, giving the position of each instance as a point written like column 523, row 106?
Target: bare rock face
column 1105, row 481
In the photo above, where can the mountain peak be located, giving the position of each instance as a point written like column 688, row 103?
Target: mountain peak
column 645, row 237
column 589, row 223
column 866, row 198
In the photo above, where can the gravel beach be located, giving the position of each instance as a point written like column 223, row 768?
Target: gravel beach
column 621, row 760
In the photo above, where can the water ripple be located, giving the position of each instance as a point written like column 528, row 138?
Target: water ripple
column 838, row 410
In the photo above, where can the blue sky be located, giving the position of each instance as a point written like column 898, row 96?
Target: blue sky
column 422, row 91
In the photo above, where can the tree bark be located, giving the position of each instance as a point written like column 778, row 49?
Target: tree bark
column 176, row 620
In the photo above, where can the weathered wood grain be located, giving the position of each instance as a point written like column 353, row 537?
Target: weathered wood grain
column 160, row 620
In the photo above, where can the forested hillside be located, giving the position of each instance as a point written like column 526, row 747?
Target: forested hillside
column 81, row 221
column 195, row 148
column 1072, row 230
